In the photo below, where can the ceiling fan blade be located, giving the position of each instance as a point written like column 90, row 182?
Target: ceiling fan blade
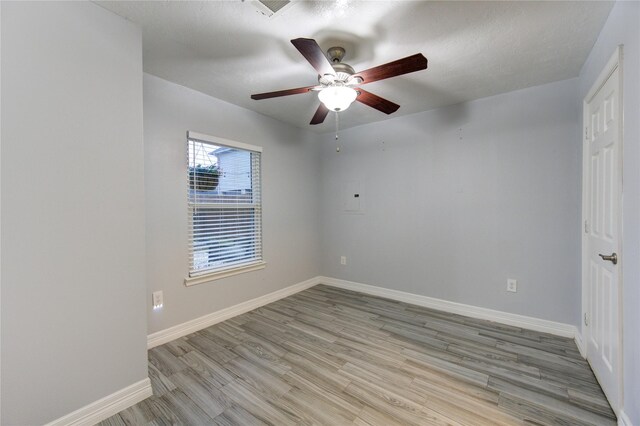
column 406, row 65
column 375, row 101
column 312, row 53
column 286, row 92
column 320, row 115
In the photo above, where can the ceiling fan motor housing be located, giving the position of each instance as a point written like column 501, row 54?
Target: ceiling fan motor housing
column 343, row 71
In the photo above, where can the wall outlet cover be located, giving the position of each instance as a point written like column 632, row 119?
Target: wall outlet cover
column 157, row 299
column 512, row 285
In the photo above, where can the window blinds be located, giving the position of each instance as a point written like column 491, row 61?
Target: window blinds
column 225, row 211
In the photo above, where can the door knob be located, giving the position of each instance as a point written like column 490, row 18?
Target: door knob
column 613, row 258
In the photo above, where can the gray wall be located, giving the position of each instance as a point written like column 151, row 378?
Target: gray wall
column 453, row 202
column 73, row 285
column 623, row 27
column 457, row 200
column 290, row 167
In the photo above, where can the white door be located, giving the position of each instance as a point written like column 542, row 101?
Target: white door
column 602, row 229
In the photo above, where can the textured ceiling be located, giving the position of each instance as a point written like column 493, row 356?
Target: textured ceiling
column 475, row 49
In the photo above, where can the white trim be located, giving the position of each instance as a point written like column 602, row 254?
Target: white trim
column 623, row 419
column 530, row 323
column 557, row 328
column 217, row 275
column 175, row 332
column 107, row 406
column 222, row 141
column 584, row 329
column 580, row 344
column 614, row 63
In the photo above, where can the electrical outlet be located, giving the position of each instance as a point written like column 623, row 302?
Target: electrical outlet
column 343, row 260
column 512, row 285
column 157, row 299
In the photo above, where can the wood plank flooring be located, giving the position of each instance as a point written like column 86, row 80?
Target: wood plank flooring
column 335, row 357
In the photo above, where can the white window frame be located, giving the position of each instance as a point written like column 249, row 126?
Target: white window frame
column 223, row 272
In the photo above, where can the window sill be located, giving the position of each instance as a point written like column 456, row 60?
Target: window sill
column 200, row 279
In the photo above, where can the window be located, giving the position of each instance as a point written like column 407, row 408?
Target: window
column 225, row 210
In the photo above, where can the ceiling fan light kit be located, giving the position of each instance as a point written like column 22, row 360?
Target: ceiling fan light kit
column 337, row 98
column 338, row 80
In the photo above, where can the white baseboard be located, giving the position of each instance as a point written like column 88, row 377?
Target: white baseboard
column 545, row 326
column 530, row 323
column 180, row 330
column 623, row 419
column 131, row 395
column 106, row 407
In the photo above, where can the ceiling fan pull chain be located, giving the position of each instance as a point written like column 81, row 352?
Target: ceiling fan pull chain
column 338, row 145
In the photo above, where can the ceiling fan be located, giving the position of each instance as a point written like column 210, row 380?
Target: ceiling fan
column 338, row 82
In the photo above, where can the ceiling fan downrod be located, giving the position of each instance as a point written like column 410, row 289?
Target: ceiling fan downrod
column 335, row 54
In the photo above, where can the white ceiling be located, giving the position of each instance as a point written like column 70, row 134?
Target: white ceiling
column 475, row 49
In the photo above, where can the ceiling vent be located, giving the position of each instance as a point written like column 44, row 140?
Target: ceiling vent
column 270, row 7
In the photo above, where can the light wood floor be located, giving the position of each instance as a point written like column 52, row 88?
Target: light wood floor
column 334, row 357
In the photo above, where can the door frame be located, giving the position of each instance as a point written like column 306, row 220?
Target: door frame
column 615, row 62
